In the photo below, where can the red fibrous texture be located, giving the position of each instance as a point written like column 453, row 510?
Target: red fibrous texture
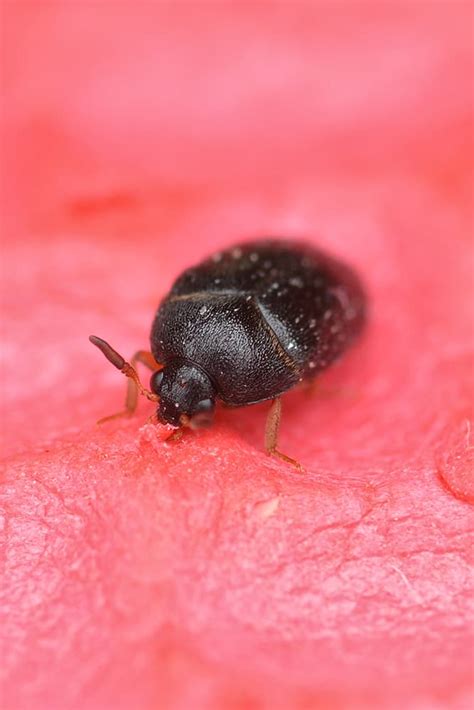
column 202, row 575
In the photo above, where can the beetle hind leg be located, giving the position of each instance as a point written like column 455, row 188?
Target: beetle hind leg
column 271, row 434
column 134, row 386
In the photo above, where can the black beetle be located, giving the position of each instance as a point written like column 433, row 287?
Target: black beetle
column 243, row 326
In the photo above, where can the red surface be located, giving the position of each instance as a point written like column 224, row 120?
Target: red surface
column 203, row 575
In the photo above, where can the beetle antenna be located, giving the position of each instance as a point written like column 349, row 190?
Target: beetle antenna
column 121, row 364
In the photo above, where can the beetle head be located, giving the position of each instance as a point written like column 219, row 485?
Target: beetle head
column 186, row 395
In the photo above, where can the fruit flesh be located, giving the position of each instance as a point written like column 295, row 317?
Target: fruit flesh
column 202, row 573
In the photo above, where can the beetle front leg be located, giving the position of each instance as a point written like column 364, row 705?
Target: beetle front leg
column 271, row 434
column 134, row 386
column 147, row 359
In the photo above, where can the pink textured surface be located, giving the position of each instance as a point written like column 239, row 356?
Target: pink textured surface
column 204, row 575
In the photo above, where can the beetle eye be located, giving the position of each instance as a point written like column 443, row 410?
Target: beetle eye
column 202, row 414
column 205, row 405
column 155, row 381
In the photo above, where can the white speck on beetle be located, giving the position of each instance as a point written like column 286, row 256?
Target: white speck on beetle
column 312, row 364
column 253, row 257
column 312, row 323
column 217, row 281
column 176, row 404
column 327, row 315
column 248, row 298
column 291, row 345
column 341, row 295
column 296, row 281
column 236, row 253
column 202, row 310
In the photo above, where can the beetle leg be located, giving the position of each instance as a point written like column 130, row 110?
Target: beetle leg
column 175, row 435
column 147, row 359
column 134, row 387
column 271, row 434
column 314, row 387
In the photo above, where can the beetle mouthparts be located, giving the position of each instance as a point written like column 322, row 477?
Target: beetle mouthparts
column 184, row 420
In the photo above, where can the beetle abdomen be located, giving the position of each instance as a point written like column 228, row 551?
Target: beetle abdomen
column 260, row 317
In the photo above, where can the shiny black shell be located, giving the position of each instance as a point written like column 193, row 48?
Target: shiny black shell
column 259, row 317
